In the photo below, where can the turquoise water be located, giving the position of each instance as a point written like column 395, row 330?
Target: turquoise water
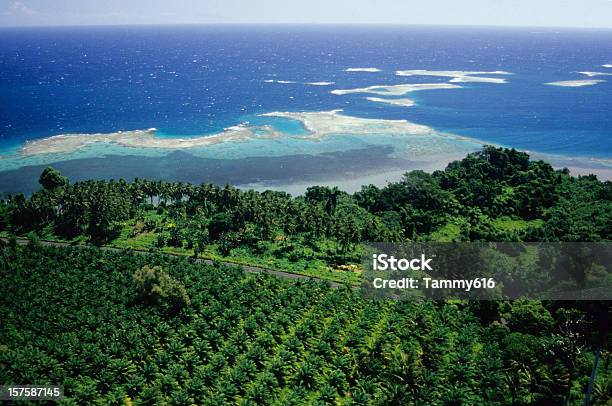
column 194, row 81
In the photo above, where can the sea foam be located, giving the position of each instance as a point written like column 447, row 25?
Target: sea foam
column 371, row 70
column 283, row 82
column 287, row 82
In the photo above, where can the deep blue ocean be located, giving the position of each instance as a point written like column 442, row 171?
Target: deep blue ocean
column 187, row 80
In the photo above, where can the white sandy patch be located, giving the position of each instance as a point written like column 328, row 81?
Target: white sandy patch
column 458, row 76
column 326, row 123
column 371, row 70
column 575, row 83
column 608, row 65
column 394, row 102
column 320, row 83
column 349, row 184
column 396, row 90
column 594, row 74
column 141, row 139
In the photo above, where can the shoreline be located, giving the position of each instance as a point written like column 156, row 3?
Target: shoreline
column 349, row 170
column 352, row 184
column 383, row 177
column 417, row 155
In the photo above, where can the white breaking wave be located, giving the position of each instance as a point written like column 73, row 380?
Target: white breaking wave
column 284, row 82
column 608, row 65
column 287, row 82
column 371, row 70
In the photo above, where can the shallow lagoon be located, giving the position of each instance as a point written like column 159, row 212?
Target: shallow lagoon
column 221, row 77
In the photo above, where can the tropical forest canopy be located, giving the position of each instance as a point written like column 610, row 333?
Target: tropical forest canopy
column 120, row 327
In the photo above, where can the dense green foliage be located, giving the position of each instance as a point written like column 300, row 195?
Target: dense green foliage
column 157, row 287
column 495, row 195
column 77, row 316
column 116, row 328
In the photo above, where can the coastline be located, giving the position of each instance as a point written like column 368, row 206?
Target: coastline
column 578, row 166
column 353, row 182
column 407, row 146
column 347, row 170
